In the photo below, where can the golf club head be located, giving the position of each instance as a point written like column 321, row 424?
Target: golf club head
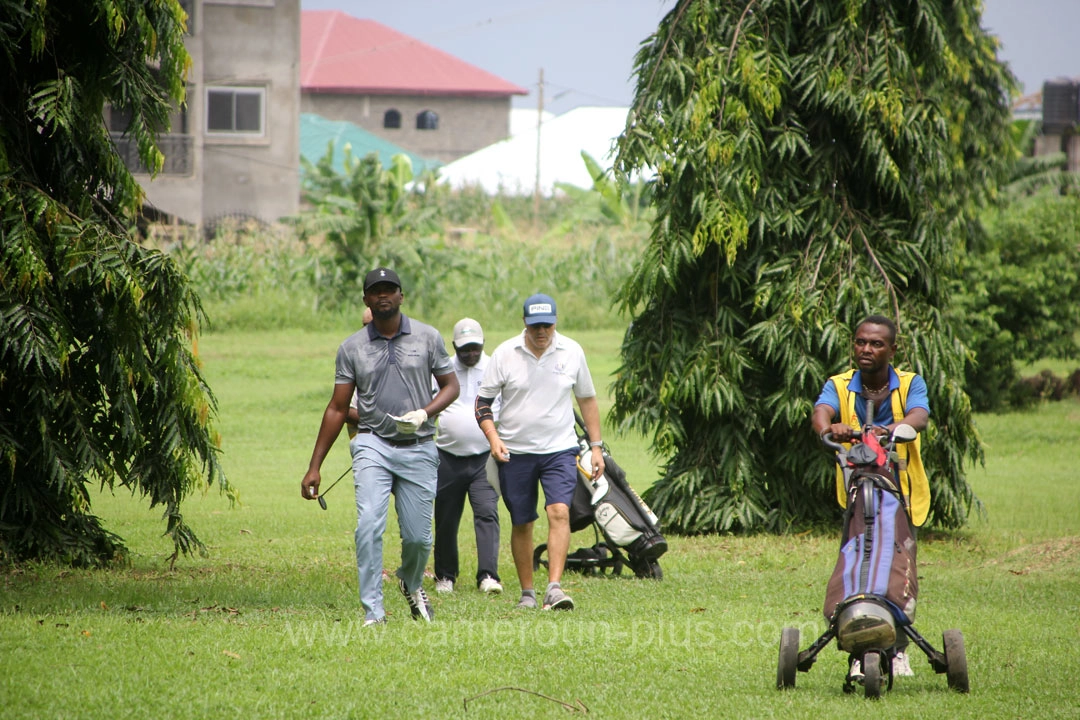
column 322, row 503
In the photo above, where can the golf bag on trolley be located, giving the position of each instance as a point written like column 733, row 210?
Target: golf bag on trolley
column 873, row 588
column 631, row 531
column 870, row 597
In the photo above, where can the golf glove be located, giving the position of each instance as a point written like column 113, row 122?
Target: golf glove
column 410, row 422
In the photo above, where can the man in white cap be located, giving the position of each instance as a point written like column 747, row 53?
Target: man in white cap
column 537, row 374
column 463, row 453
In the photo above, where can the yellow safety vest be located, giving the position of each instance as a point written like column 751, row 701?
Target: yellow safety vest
column 914, row 484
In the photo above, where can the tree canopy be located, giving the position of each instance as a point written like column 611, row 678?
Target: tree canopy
column 815, row 162
column 99, row 382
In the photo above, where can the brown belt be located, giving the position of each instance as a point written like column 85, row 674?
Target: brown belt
column 398, row 443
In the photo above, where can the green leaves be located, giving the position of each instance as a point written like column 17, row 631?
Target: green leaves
column 815, row 162
column 99, row 382
column 375, row 216
column 1017, row 299
column 53, row 103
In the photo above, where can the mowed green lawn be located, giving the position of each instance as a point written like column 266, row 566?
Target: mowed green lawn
column 268, row 625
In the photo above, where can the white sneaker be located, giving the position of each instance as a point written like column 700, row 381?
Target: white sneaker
column 443, row 586
column 490, row 586
column 855, row 673
column 372, row 622
column 901, row 667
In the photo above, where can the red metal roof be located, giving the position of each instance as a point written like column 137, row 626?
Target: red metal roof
column 341, row 54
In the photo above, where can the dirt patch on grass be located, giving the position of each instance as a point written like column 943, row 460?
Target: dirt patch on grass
column 1053, row 555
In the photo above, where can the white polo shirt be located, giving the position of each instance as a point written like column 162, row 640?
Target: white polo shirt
column 457, row 431
column 537, row 413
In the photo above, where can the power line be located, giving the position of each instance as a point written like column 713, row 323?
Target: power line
column 568, row 89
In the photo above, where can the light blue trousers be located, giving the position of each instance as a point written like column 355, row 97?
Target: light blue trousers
column 410, row 473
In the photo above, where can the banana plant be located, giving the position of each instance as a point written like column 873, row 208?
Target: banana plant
column 622, row 204
column 372, row 215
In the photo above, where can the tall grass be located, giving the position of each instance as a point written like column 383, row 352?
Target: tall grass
column 270, row 279
column 254, row 277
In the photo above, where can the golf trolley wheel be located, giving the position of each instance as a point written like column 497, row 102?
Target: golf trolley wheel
column 644, row 568
column 789, row 658
column 955, row 661
column 537, row 562
column 650, row 569
column 871, row 667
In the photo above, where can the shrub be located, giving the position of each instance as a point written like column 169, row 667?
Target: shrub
column 1018, row 296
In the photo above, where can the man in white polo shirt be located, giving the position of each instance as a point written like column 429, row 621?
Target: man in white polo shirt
column 463, row 454
column 537, row 374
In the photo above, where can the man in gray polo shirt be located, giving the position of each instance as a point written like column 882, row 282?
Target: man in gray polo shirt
column 389, row 365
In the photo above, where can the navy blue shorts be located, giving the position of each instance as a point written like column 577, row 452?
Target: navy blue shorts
column 556, row 472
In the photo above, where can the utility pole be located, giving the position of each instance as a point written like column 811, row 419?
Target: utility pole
column 539, row 121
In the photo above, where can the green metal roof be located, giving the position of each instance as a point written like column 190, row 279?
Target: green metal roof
column 316, row 132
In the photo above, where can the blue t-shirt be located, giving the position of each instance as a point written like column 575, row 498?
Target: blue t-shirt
column 916, row 398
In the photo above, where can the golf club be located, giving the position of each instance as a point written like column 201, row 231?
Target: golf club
column 322, row 503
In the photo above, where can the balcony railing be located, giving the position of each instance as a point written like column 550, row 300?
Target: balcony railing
column 178, row 151
column 189, row 8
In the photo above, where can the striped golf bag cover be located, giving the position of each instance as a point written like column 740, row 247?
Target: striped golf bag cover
column 877, row 550
column 624, row 518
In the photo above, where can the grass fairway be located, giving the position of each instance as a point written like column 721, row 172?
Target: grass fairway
column 268, row 626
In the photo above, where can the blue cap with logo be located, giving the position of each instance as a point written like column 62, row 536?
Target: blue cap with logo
column 540, row 308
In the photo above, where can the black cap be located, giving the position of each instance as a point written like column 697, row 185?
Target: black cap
column 381, row 275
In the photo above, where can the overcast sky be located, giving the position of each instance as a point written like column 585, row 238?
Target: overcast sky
column 586, row 47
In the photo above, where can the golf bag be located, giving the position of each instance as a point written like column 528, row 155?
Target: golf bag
column 630, row 529
column 870, row 598
column 877, row 549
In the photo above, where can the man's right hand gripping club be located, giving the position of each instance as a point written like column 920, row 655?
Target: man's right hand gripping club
column 309, row 486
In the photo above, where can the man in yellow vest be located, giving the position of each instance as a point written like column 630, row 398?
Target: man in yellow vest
column 898, row 397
